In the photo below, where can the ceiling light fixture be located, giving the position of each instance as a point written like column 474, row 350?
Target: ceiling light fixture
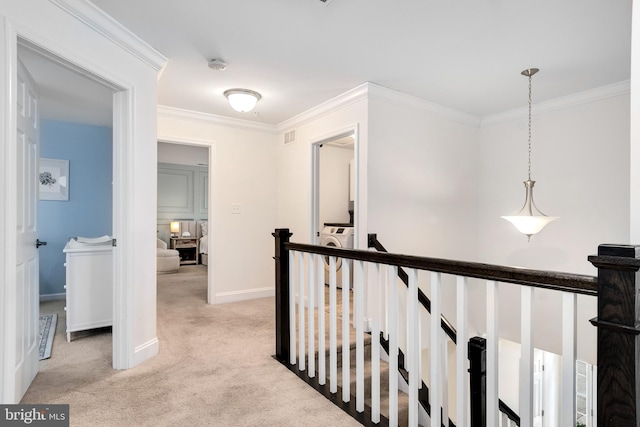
column 242, row 100
column 529, row 220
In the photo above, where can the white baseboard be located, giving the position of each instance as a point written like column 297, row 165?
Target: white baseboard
column 246, row 294
column 52, row 297
column 146, row 351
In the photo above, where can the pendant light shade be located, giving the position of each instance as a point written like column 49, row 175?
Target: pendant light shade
column 242, row 100
column 529, row 220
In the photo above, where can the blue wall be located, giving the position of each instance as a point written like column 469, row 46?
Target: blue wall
column 88, row 212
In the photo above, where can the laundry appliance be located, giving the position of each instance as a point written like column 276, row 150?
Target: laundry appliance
column 337, row 236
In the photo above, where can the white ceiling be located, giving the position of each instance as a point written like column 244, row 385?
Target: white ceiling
column 463, row 54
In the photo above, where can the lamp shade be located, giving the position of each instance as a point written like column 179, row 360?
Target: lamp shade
column 174, row 227
column 242, row 100
column 529, row 220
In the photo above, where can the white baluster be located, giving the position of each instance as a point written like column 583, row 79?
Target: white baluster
column 492, row 353
column 445, row 377
column 322, row 349
column 301, row 286
column 392, row 279
column 359, row 324
column 526, row 356
column 462, row 339
column 292, row 308
column 413, row 350
column 569, row 326
column 375, row 349
column 346, row 333
column 435, row 394
column 310, row 317
column 333, row 352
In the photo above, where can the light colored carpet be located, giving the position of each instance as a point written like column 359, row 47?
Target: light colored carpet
column 215, row 368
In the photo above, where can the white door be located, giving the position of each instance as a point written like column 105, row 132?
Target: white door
column 27, row 280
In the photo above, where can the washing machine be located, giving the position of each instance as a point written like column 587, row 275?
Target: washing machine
column 339, row 237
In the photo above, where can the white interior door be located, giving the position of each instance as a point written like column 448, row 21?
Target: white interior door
column 27, row 280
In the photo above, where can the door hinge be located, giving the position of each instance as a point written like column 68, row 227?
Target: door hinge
column 114, row 242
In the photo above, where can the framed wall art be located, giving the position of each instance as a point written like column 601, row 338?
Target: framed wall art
column 54, row 179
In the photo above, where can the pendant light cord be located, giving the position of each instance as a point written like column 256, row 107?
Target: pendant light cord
column 529, row 127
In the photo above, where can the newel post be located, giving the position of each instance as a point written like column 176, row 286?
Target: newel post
column 281, row 257
column 477, row 351
column 618, row 339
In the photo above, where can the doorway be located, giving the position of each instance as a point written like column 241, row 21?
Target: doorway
column 192, row 161
column 75, row 122
column 334, row 183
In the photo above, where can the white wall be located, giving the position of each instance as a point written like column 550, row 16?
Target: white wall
column 132, row 73
column 295, row 160
column 334, row 184
column 243, row 172
column 422, row 181
column 581, row 168
column 422, row 170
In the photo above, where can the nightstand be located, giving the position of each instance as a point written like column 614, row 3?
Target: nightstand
column 187, row 247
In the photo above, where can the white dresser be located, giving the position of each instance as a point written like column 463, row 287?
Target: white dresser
column 89, row 287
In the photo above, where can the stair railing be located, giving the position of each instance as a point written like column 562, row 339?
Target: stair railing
column 300, row 276
column 447, row 328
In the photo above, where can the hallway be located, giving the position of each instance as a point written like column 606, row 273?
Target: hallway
column 215, row 368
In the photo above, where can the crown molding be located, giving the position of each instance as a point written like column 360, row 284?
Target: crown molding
column 173, row 112
column 409, row 101
column 356, row 94
column 585, row 97
column 101, row 22
column 369, row 90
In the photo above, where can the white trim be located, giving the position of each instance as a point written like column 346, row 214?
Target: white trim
column 349, row 97
column 409, row 101
column 368, row 91
column 8, row 193
column 247, row 294
column 592, row 95
column 215, row 119
column 146, row 351
column 315, row 143
column 123, row 270
column 53, row 297
column 99, row 21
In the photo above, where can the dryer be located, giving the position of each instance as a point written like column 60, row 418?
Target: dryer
column 338, row 237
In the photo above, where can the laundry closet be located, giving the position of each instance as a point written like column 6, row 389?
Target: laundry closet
column 336, row 197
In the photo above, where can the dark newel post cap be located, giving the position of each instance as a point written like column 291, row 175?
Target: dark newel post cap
column 617, row 257
column 624, row 251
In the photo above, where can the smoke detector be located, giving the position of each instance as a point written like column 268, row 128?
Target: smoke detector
column 217, row 64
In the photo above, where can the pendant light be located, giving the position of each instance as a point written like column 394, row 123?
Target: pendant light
column 529, row 220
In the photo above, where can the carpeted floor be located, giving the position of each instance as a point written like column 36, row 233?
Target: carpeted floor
column 215, row 368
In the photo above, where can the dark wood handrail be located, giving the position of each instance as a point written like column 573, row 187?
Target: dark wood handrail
column 565, row 282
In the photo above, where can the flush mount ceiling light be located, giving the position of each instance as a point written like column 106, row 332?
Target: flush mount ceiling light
column 242, row 100
column 529, row 220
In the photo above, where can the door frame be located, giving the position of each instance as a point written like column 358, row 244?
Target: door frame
column 123, row 166
column 316, row 143
column 211, row 145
